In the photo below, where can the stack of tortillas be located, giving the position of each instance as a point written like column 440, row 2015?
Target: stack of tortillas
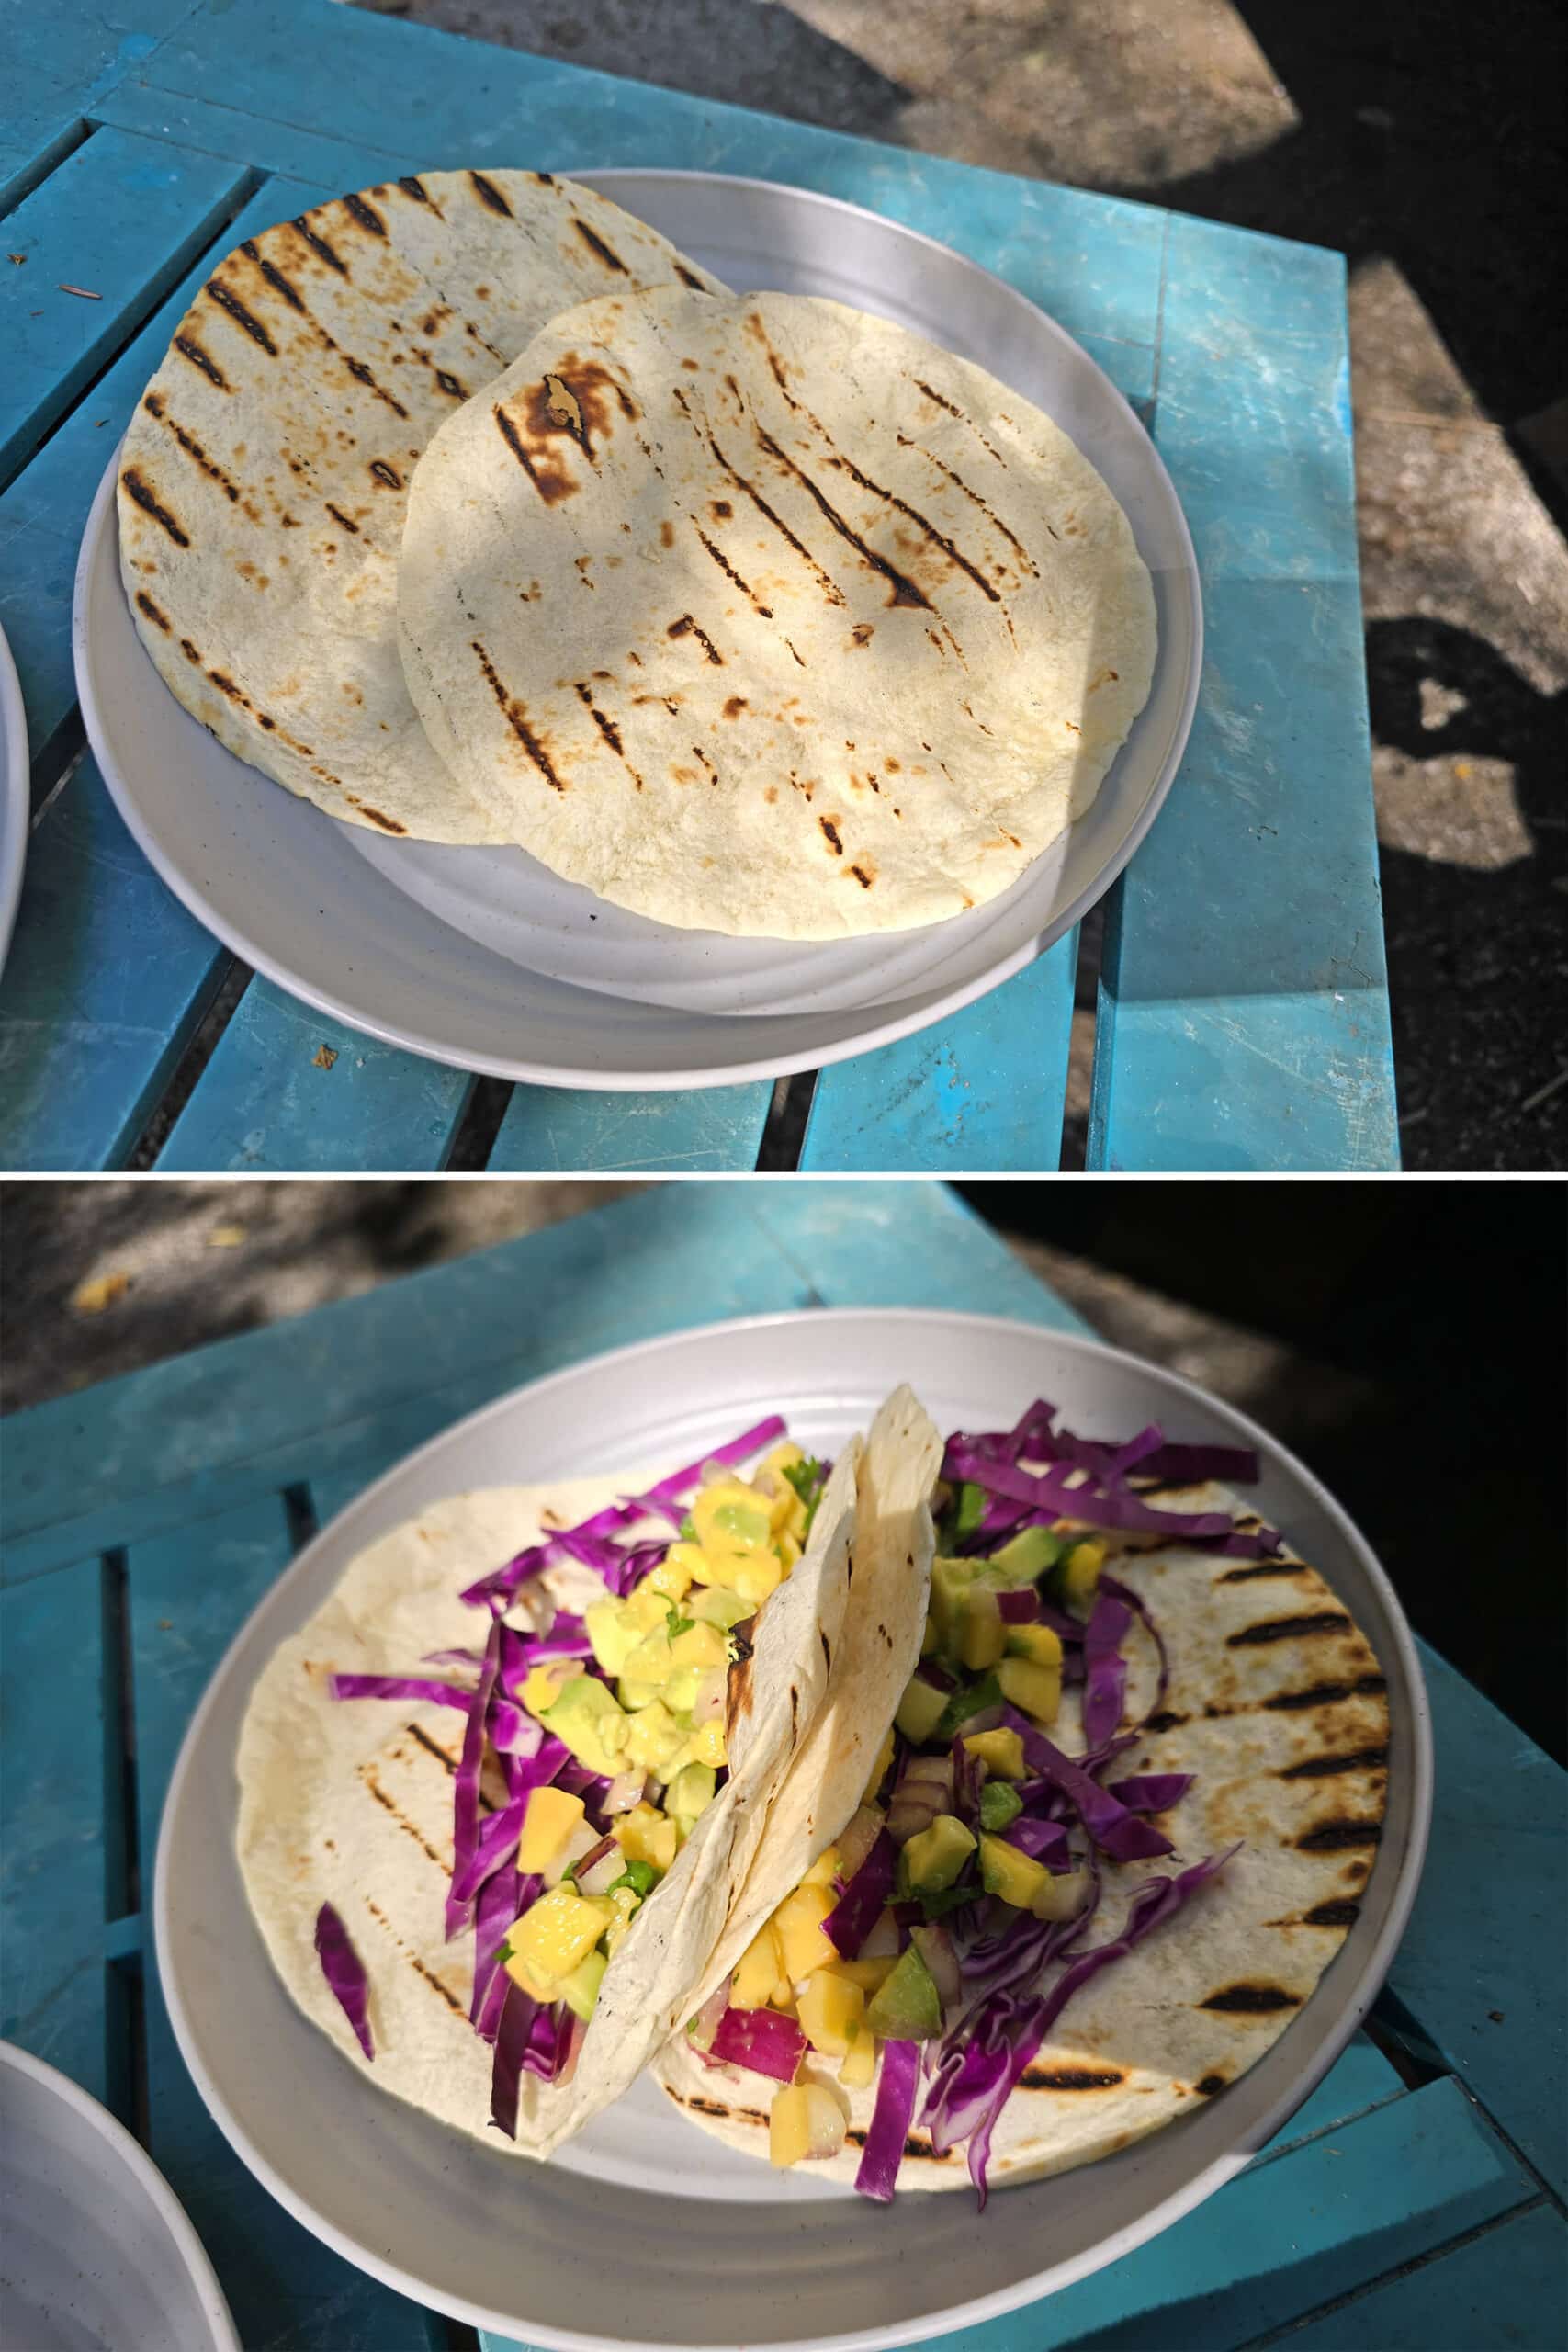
column 472, row 512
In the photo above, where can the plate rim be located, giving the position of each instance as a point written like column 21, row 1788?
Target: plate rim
column 898, row 1024
column 973, row 2312
column 16, row 799
column 108, row 2128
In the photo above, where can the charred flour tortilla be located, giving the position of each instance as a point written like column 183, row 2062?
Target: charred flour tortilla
column 263, row 479
column 351, row 1803
column 767, row 616
column 1277, row 1703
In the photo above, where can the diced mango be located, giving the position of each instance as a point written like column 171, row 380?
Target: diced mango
column 554, row 1934
column 645, row 1834
column 869, row 1974
column 824, row 1870
column 550, row 1818
column 1001, row 1753
column 732, row 1521
column 654, row 1738
column 858, row 2069
column 1037, row 1690
column 545, row 1683
column 649, row 1608
column 1040, row 1642
column 707, row 1745
column 757, row 1576
column 832, row 2009
column 983, row 1636
column 1017, row 1877
column 759, row 1971
column 674, row 1575
column 806, row 2123
column 799, row 1922
column 702, row 1645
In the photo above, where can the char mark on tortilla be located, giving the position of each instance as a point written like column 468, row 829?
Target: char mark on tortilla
column 1325, row 1767
column 1289, row 1629
column 135, row 487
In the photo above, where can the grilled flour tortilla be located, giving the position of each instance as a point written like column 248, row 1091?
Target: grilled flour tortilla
column 767, row 616
column 263, row 479
column 350, row 1802
column 1276, row 1702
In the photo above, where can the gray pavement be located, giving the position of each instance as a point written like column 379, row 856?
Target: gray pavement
column 1425, row 143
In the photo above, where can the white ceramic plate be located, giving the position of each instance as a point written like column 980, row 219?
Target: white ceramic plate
column 484, row 957
column 97, row 2255
column 643, row 2230
column 15, row 815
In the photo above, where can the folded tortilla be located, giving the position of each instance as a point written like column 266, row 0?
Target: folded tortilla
column 350, row 1801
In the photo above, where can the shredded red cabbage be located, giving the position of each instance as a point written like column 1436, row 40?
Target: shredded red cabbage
column 1020, row 1608
column 856, row 1913
column 1140, row 1610
column 344, row 1972
column 1152, row 1791
column 1105, row 1669
column 399, row 1686
column 518, row 2012
column 877, row 2174
column 1158, row 1900
column 764, row 2040
column 465, row 1788
column 1116, row 1831
column 1043, row 1841
column 500, row 1901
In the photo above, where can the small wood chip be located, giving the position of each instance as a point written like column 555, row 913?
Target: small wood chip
column 17, row 258
column 226, row 1237
column 91, row 1297
column 85, row 292
column 323, row 1057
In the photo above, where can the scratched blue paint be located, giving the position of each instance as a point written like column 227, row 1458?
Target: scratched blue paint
column 982, row 1089
column 288, row 1089
column 121, row 218
column 1402, row 2218
column 553, row 1129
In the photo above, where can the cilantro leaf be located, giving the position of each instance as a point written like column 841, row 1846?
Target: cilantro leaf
column 807, row 1478
column 687, row 1531
column 940, row 1900
column 675, row 1625
column 968, row 1700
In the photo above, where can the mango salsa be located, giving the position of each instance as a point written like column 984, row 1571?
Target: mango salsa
column 806, row 2122
column 799, row 1922
column 830, row 2010
column 552, row 1936
column 1001, row 1753
column 858, row 2069
column 551, row 1817
column 1037, row 1690
column 760, row 1971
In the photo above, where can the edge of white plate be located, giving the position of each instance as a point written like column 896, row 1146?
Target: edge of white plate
column 1149, row 2224
column 15, row 797
column 135, row 2159
column 923, row 1013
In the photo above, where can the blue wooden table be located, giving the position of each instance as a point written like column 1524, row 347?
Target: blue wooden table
column 1241, row 1015
column 1413, row 2201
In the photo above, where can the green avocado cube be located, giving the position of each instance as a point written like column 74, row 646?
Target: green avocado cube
column 587, row 1717
column 1000, row 1804
column 691, row 1790
column 905, row 2007
column 581, row 1989
column 920, row 1709
column 1028, row 1554
column 933, row 1859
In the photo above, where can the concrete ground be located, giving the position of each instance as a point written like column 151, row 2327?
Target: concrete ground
column 1427, row 143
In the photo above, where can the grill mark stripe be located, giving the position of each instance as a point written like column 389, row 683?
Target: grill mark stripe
column 272, row 274
column 194, row 450
column 191, row 350
column 1332, row 1914
column 904, row 589
column 488, row 193
column 1289, row 1629
column 1326, row 1694
column 320, row 246
column 430, row 1746
column 596, row 244
column 963, row 419
column 1072, row 2078
column 930, row 456
column 366, row 217
column 1261, row 1568
column 240, row 316
column 608, row 729
column 891, row 497
column 687, row 627
column 337, row 512
column 1325, row 1767
column 379, row 1793
column 415, row 188
column 145, row 602
column 514, row 441
column 137, row 489
column 1335, row 1836
column 1251, row 2000
column 516, row 719
column 834, row 593
column 726, row 565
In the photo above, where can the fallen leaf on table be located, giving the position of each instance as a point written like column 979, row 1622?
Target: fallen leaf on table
column 323, row 1057
column 91, row 1297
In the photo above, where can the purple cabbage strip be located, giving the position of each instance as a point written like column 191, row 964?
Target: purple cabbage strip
column 543, row 2054
column 1144, row 1614
column 1152, row 1791
column 1105, row 1669
column 465, row 1786
column 518, row 2011
column 856, row 1912
column 344, row 1972
column 1043, row 1841
column 499, row 1904
column 1158, row 1900
column 879, row 2171
column 1118, row 1833
column 399, row 1686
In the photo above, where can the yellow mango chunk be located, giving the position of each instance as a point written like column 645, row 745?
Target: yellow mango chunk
column 707, row 1745
column 824, row 1870
column 545, row 1684
column 1037, row 1690
column 1043, row 1644
column 552, row 1936
column 551, row 1817
column 675, row 1574
column 806, row 2122
column 645, row 1835
column 701, row 1645
column 858, row 2069
column 867, row 1974
column 832, row 2011
column 799, row 1922
column 760, row 1574
column 760, row 1972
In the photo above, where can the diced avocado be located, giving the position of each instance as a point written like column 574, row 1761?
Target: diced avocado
column 969, row 1699
column 587, row 1717
column 613, row 1636
column 581, row 1989
column 982, row 1636
column 650, row 1662
column 544, row 1684
column 1001, row 1753
column 633, row 1695
column 691, row 1789
column 1037, row 1689
column 720, row 1606
column 905, row 2007
column 1028, row 1555
column 933, row 1859
column 1076, row 1581
column 950, row 1580
column 1040, row 1642
column 654, row 1738
column 680, row 1691
column 1017, row 1877
column 1000, row 1804
column 920, row 1709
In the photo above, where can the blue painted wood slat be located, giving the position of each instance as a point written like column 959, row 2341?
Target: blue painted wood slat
column 549, row 1130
